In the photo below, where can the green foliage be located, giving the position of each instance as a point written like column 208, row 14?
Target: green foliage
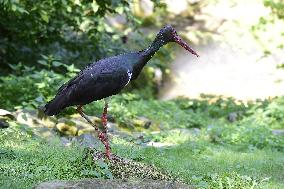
column 50, row 34
column 227, row 180
column 213, row 106
column 265, row 32
column 166, row 113
column 26, row 160
column 247, row 135
column 63, row 28
column 75, row 31
column 269, row 113
column 276, row 6
column 32, row 88
column 251, row 129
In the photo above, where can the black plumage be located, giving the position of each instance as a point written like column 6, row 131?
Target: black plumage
column 97, row 81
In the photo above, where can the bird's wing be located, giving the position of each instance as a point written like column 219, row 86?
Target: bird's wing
column 121, row 76
column 70, row 82
column 75, row 79
column 96, row 84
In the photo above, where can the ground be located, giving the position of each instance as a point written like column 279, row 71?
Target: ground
column 196, row 142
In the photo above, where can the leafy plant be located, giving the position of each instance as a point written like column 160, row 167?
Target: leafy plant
column 267, row 24
column 214, row 106
column 227, row 180
column 247, row 135
column 39, row 86
column 57, row 27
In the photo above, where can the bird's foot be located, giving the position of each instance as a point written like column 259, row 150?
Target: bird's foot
column 104, row 140
column 108, row 154
column 107, row 147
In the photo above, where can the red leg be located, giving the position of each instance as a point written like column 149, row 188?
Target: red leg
column 104, row 122
column 102, row 135
column 104, row 118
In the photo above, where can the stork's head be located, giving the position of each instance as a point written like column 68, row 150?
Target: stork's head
column 169, row 34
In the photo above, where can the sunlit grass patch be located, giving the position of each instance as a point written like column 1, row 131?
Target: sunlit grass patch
column 208, row 165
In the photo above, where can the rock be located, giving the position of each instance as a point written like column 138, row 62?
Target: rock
column 112, row 184
column 196, row 131
column 233, row 116
column 185, row 131
column 3, row 124
column 94, row 119
column 278, row 132
column 159, row 144
column 31, row 119
column 210, row 127
column 140, row 124
column 5, row 116
column 65, row 141
column 44, row 132
column 65, row 129
column 66, row 121
column 5, row 113
column 82, row 124
column 88, row 140
column 142, row 121
column 112, row 127
column 41, row 127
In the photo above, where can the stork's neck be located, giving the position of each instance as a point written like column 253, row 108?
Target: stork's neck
column 147, row 54
column 154, row 47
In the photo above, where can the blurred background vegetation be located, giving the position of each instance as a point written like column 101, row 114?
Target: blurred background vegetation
column 44, row 40
column 45, row 43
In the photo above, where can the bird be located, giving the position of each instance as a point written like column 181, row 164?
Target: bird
column 107, row 77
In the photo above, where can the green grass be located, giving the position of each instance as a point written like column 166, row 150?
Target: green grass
column 206, row 165
column 26, row 160
column 242, row 154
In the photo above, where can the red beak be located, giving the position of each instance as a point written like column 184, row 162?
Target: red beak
column 184, row 45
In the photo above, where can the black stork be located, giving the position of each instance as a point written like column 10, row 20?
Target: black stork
column 108, row 77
